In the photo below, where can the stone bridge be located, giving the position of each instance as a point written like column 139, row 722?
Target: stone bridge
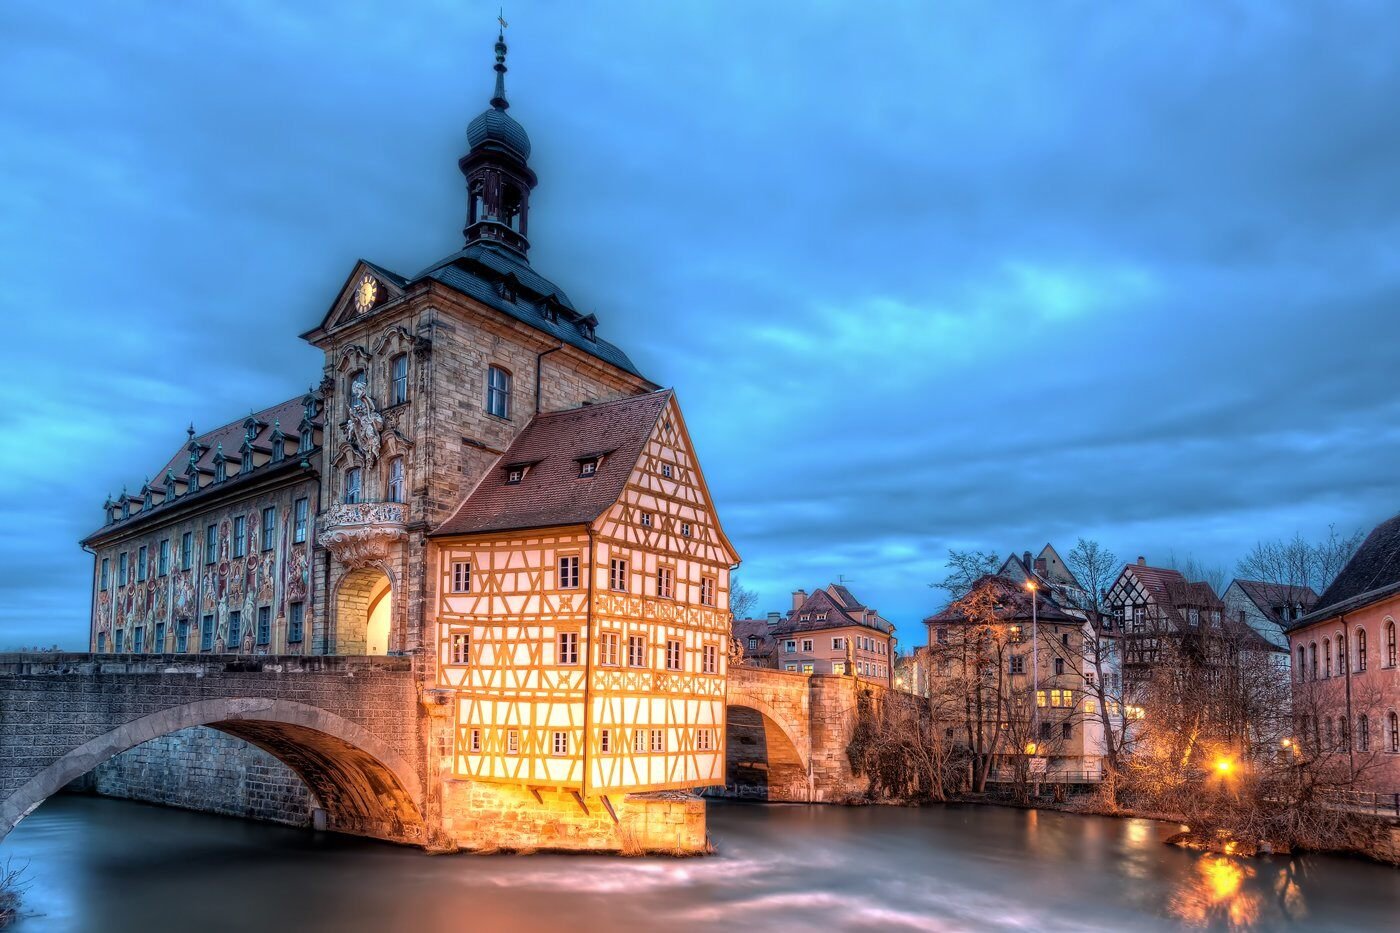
column 350, row 727
column 358, row 732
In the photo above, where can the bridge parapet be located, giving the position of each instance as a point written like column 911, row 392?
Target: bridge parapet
column 78, row 662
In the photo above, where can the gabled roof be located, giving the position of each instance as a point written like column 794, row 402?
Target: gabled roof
column 1372, row 573
column 844, row 597
column 1269, row 596
column 1013, row 604
column 553, row 492
column 822, row 602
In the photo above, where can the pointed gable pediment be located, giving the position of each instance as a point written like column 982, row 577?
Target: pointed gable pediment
column 368, row 288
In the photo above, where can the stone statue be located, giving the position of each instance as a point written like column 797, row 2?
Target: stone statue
column 365, row 422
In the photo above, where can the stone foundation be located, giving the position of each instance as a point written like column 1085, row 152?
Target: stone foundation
column 203, row 769
column 485, row 817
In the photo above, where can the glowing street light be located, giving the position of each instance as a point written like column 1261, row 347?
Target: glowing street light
column 1035, row 659
column 1224, row 765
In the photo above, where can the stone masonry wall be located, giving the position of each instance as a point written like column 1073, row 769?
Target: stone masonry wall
column 203, row 769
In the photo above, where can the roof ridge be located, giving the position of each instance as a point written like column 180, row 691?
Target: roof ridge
column 596, row 406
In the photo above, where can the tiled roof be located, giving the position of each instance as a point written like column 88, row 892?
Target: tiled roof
column 1372, row 573
column 552, row 491
column 844, row 597
column 1013, row 604
column 477, row 272
column 1269, row 596
column 821, row 602
column 285, row 416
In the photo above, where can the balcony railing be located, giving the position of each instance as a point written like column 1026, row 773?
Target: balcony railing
column 362, row 533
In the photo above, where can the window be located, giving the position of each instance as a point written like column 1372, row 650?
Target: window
column 1341, row 653
column 1363, row 733
column 1040, row 698
column 1390, row 644
column 658, row 740
column 838, row 667
column 121, row 568
column 665, row 588
column 1327, row 650
column 512, row 741
column 395, row 488
column 808, row 668
column 568, row 648
column 1091, row 706
column 141, row 564
column 1312, row 659
column 514, row 475
column 1361, row 651
column 561, row 743
column 235, row 629
column 240, row 536
column 617, row 575
column 1302, row 664
column 269, row 527
column 753, row 642
column 704, row 740
column 182, row 635
column 1045, row 730
column 206, row 633
column 639, row 740
column 300, row 512
column 279, row 449
column 605, row 741
column 1018, row 664
column 710, row 664
column 673, row 654
column 117, row 641
column 707, row 591
column 646, row 519
column 352, row 485
column 666, row 470
column 1066, row 730
column 102, row 645
column 685, row 529
column 498, row 392
column 1393, row 725
column 220, row 469
column 398, row 376
column 806, row 646
column 791, row 667
column 941, row 635
column 138, row 639
column 588, row 467
column 609, row 649
column 163, row 558
column 790, row 646
column 568, row 573
column 102, row 577
column 296, row 622
column 636, row 651
column 838, row 643
column 475, row 741
column 264, row 625
column 1059, row 665
column 1139, row 618
column 461, row 576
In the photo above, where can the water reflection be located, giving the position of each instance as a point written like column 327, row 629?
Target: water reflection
column 116, row 866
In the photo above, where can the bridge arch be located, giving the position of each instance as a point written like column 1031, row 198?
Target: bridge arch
column 769, row 740
column 365, row 786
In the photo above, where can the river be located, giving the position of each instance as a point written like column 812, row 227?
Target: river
column 108, row 866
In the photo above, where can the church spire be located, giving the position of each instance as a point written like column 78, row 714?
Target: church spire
column 498, row 100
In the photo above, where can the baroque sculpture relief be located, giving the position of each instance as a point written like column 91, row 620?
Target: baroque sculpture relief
column 364, row 424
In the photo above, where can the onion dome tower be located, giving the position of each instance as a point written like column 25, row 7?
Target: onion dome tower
column 499, row 179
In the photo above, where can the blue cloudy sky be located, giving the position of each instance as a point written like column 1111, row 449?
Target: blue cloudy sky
column 926, row 275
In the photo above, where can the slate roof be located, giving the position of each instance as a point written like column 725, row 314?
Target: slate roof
column 1013, row 604
column 823, row 602
column 1372, row 573
column 1268, row 596
column 744, row 629
column 552, row 491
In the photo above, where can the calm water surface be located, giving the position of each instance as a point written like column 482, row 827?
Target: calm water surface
column 114, row 866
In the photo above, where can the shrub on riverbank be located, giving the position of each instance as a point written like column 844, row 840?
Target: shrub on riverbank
column 11, row 884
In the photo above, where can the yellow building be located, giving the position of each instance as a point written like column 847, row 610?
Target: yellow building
column 583, row 608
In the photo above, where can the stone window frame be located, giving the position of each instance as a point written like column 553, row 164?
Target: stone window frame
column 398, row 381
column 163, row 558
column 296, row 622
column 187, row 550
column 263, row 634
column 301, row 519
column 500, row 383
column 269, row 527
column 141, row 557
column 240, row 537
column 395, row 482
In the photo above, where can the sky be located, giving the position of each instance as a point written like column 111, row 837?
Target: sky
column 925, row 275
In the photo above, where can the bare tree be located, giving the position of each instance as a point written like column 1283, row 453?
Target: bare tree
column 1299, row 564
column 1198, row 571
column 1096, row 567
column 742, row 600
column 964, row 569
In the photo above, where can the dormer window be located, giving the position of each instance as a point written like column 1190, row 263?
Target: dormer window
column 507, row 290
column 126, row 508
column 220, row 471
column 588, row 327
column 308, row 439
column 514, row 474
column 279, row 449
column 589, row 466
column 247, row 465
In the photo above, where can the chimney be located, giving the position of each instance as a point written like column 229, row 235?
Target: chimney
column 1040, row 566
column 1142, row 561
column 774, row 618
column 798, row 598
column 1026, row 559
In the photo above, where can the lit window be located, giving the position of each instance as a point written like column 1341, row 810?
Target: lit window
column 665, row 583
column 398, row 369
column 461, row 648
column 498, row 392
column 561, row 743
column 461, row 576
column 568, row 647
column 609, row 648
column 568, row 573
column 617, row 575
column 838, row 667
column 395, row 490
column 512, row 742
column 673, row 654
column 1091, row 706
column 636, row 651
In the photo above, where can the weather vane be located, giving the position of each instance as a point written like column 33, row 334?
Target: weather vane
column 501, row 18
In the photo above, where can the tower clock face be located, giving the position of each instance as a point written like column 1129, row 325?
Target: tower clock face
column 365, row 293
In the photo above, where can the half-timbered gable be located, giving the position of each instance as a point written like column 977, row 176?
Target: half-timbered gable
column 584, row 611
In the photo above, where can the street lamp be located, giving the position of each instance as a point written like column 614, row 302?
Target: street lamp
column 1035, row 661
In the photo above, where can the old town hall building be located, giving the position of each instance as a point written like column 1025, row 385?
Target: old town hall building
column 480, row 479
